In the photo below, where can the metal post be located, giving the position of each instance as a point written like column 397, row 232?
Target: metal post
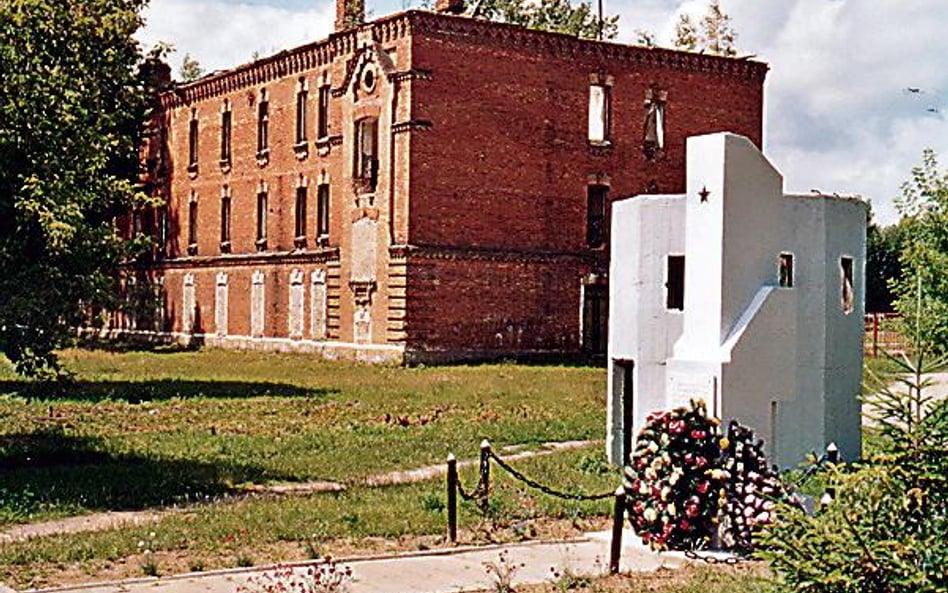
column 618, row 518
column 875, row 334
column 485, row 476
column 832, row 453
column 452, row 498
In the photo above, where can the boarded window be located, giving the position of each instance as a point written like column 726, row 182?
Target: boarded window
column 296, row 305
column 257, row 304
column 322, row 210
column 598, row 113
column 188, row 304
column 675, row 283
column 847, row 295
column 596, row 215
column 317, row 306
column 785, row 270
column 221, row 305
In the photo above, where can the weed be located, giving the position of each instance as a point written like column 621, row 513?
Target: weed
column 243, row 561
column 502, row 573
column 325, row 577
column 150, row 565
column 432, row 503
column 196, row 565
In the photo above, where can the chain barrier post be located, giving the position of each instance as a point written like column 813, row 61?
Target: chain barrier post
column 452, row 498
column 485, row 476
column 618, row 518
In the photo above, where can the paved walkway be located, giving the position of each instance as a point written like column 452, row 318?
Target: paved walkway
column 444, row 571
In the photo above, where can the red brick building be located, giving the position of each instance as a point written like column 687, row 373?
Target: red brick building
column 422, row 187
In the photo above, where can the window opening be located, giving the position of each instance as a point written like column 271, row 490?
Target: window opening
column 193, row 142
column 675, row 283
column 596, row 215
column 262, row 220
column 785, row 270
column 263, row 126
column 322, row 123
column 301, row 100
column 847, row 295
column 654, row 141
column 225, row 221
column 599, row 108
column 192, row 225
column 226, row 130
column 367, row 163
column 322, row 211
column 301, row 213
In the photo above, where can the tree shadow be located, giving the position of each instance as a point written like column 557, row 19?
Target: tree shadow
column 153, row 390
column 50, row 472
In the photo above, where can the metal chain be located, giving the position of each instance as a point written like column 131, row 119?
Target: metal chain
column 547, row 489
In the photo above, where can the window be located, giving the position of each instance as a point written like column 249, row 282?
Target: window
column 301, row 214
column 367, row 163
column 599, row 99
column 162, row 228
column 785, row 270
column 192, row 225
column 225, row 221
column 301, row 100
column 322, row 120
column 322, row 211
column 226, row 131
column 263, row 125
column 596, row 215
column 262, row 219
column 847, row 296
column 675, row 283
column 654, row 141
column 193, row 142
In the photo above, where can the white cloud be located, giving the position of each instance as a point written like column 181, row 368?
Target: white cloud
column 222, row 34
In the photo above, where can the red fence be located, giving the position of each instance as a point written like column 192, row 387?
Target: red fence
column 882, row 334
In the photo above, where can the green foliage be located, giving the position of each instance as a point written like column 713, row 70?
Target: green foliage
column 924, row 257
column 883, row 265
column 559, row 16
column 887, row 529
column 190, row 69
column 71, row 108
column 716, row 35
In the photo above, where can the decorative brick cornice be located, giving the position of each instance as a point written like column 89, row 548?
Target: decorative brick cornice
column 285, row 63
column 412, row 22
column 442, row 252
column 568, row 46
column 412, row 124
column 317, row 256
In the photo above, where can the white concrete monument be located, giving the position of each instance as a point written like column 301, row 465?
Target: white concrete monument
column 743, row 296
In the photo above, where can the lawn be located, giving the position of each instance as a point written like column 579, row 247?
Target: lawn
column 143, row 430
column 140, row 430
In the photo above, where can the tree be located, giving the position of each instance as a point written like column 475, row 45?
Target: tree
column 883, row 266
column 716, row 35
column 686, row 33
column 190, row 69
column 71, row 108
column 923, row 205
column 558, row 16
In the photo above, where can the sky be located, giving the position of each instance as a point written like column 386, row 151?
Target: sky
column 839, row 113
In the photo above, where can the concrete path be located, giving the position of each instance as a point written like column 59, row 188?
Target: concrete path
column 444, row 571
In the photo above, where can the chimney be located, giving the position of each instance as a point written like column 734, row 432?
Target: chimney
column 449, row 6
column 349, row 14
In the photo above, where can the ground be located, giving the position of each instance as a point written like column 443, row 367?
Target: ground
column 193, row 434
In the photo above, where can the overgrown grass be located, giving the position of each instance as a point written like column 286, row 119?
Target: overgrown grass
column 138, row 430
column 270, row 528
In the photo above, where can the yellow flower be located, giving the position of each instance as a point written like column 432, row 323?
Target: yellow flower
column 725, row 443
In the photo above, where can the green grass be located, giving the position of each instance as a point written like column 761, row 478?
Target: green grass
column 219, row 534
column 146, row 429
